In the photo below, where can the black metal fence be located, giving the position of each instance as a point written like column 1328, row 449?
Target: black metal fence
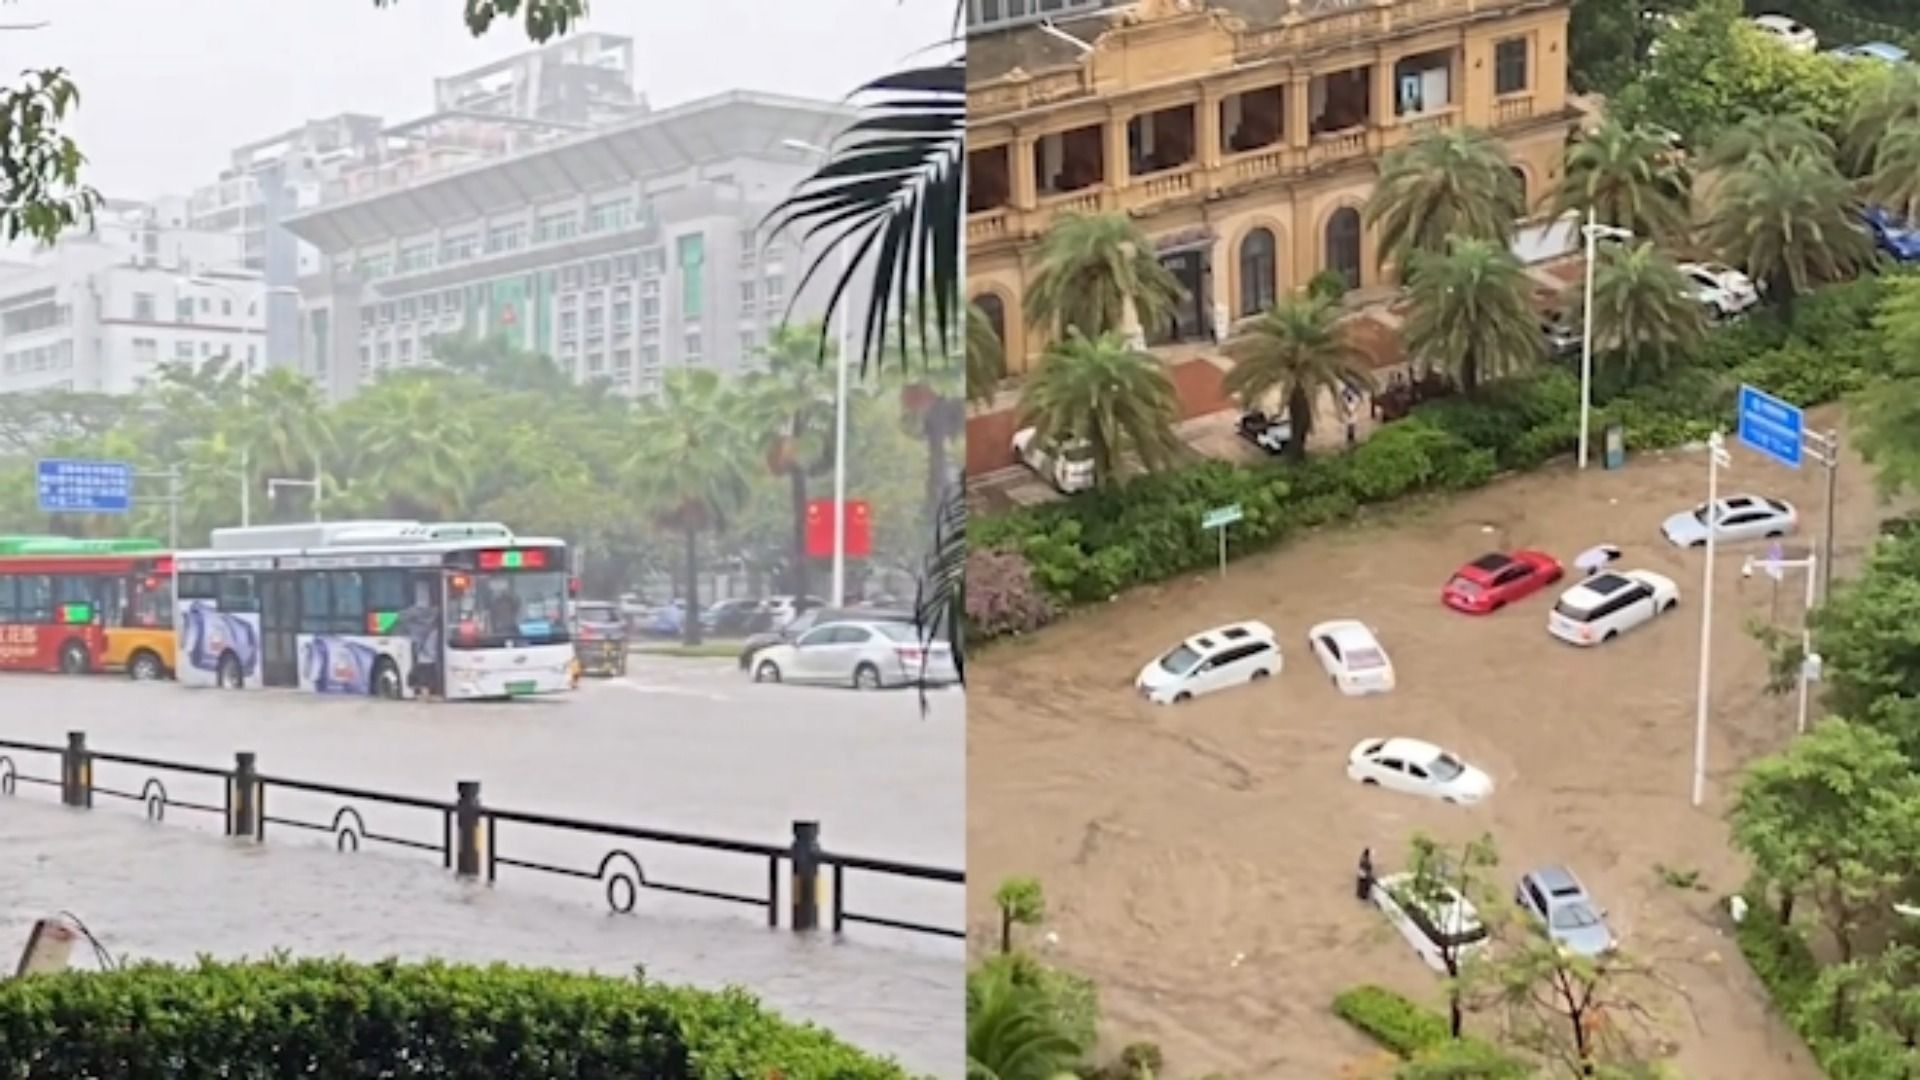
column 469, row 836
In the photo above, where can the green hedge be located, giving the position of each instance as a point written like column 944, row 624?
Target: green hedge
column 1413, row 1031
column 336, row 1019
column 1096, row 545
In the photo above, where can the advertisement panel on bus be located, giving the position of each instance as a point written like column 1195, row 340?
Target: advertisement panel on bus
column 78, row 606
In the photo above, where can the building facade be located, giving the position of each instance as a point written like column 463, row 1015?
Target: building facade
column 622, row 252
column 1244, row 136
column 101, row 312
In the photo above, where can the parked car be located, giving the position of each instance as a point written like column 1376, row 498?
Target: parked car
column 599, row 638
column 1414, row 767
column 1607, row 605
column 1216, row 659
column 782, row 610
column 1792, row 33
column 1432, row 915
column 1896, row 238
column 1352, row 657
column 865, row 655
column 1565, row 910
column 1740, row 517
column 736, row 617
column 1495, row 580
column 664, row 621
column 1067, row 464
column 1269, row 433
column 1884, row 51
column 1722, row 290
column 810, row 618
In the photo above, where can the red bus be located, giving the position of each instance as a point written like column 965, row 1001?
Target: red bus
column 80, row 606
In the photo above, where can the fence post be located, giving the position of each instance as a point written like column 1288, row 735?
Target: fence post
column 76, row 771
column 466, row 828
column 806, row 876
column 245, row 796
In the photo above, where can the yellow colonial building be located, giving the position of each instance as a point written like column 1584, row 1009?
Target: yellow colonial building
column 1243, row 135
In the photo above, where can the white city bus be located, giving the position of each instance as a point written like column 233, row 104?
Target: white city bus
column 392, row 609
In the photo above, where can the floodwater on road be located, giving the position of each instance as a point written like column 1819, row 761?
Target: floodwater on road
column 677, row 745
column 1198, row 859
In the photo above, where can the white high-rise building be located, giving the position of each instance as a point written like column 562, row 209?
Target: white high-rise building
column 101, row 311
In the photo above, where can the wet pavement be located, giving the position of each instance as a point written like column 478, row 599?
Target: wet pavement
column 677, row 745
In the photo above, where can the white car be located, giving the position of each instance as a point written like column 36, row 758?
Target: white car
column 1721, row 289
column 1352, row 657
column 863, row 655
column 1793, row 34
column 1067, row 464
column 1741, row 517
column 1609, row 604
column 1417, row 768
column 1432, row 916
column 1223, row 657
column 782, row 610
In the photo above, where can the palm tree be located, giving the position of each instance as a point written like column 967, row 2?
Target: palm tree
column 1471, row 317
column 1297, row 351
column 1643, row 310
column 1117, row 398
column 1458, row 182
column 1012, row 1036
column 689, row 467
column 1630, row 177
column 1895, row 180
column 935, row 418
column 791, row 406
column 1889, row 97
column 986, row 357
column 285, row 426
column 413, row 446
column 1769, row 136
column 1790, row 222
column 1087, row 270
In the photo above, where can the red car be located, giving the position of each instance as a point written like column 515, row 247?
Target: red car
column 1493, row 581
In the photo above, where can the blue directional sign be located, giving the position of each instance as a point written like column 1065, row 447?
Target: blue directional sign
column 85, row 487
column 1771, row 426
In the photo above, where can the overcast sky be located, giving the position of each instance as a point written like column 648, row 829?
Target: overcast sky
column 168, row 87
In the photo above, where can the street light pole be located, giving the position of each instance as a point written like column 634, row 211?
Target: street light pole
column 844, row 350
column 1717, row 459
column 1812, row 564
column 1592, row 232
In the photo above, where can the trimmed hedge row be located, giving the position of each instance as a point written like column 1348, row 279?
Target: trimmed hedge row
column 1095, row 545
column 338, row 1019
column 1413, row 1031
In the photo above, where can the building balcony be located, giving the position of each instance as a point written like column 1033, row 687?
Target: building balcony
column 1165, row 186
column 1337, row 146
column 1419, row 125
column 1512, row 109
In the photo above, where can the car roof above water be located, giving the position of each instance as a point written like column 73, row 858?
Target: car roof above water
column 1231, row 634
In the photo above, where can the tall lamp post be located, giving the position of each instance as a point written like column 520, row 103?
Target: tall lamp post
column 1809, row 661
column 275, row 483
column 845, row 349
column 246, row 379
column 1593, row 232
column 1717, row 459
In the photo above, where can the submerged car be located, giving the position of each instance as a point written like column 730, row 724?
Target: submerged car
column 1740, row 517
column 1350, row 653
column 1565, row 911
column 1215, row 659
column 1269, row 433
column 1415, row 767
column 1497, row 579
column 1607, row 605
column 1067, row 464
column 599, row 638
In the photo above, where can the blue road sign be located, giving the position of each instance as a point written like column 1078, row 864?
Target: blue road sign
column 1771, row 426
column 85, row 487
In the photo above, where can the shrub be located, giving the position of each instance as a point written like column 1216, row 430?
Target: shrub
column 1777, row 953
column 336, row 1018
column 1327, row 285
column 1070, row 1001
column 1391, row 1020
column 1001, row 595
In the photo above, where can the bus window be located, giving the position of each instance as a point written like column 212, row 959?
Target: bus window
column 236, row 593
column 349, row 603
column 198, row 587
column 524, row 605
column 152, row 602
column 9, row 606
column 35, row 600
column 316, row 603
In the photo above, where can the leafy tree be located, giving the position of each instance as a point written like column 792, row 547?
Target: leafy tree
column 792, row 409
column 1088, row 268
column 414, row 443
column 39, row 161
column 1436, row 874
column 1790, row 223
column 689, row 467
column 1456, row 183
column 986, row 357
column 1631, row 178
column 1115, row 397
column 1835, row 817
column 1864, row 1015
column 1887, row 99
column 1471, row 315
column 1580, row 1011
column 1887, row 415
column 1644, row 313
column 1895, row 180
column 1296, row 350
column 1021, row 903
column 1607, row 42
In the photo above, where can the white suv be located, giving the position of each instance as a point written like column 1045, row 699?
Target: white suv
column 1724, row 291
column 1604, row 606
column 1067, row 464
column 1433, row 916
column 1214, row 660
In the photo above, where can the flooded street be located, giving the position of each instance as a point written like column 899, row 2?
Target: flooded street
column 1198, row 859
column 686, row 746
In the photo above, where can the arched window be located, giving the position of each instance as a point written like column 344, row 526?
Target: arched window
column 996, row 313
column 1258, row 277
column 1520, row 179
column 1343, row 245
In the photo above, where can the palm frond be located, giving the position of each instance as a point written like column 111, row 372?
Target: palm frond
column 940, row 597
column 890, row 192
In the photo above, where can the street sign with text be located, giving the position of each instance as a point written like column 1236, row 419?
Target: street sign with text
column 68, row 486
column 1224, row 516
column 1771, row 426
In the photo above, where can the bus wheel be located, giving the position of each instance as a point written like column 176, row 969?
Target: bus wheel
column 386, row 681
column 73, row 659
column 145, row 667
column 230, row 676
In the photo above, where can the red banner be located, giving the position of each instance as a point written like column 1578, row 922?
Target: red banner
column 859, row 538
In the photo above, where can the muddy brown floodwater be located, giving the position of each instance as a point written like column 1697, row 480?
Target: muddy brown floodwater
column 1197, row 859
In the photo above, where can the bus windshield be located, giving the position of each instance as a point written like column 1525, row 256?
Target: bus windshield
column 492, row 608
